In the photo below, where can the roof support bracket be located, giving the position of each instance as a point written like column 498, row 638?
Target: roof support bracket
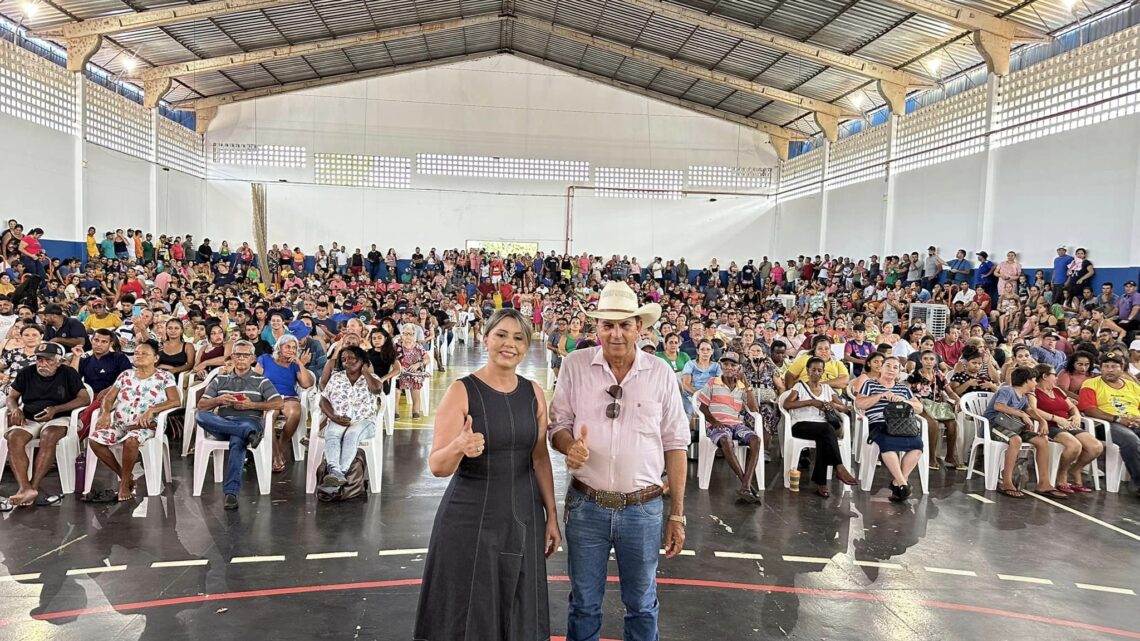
column 154, row 90
column 781, row 146
column 894, row 95
column 994, row 50
column 80, row 50
column 202, row 118
column 829, row 125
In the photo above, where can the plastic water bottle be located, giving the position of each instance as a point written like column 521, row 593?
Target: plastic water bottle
column 795, row 481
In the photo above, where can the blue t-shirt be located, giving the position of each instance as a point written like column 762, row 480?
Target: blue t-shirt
column 284, row 379
column 1060, row 267
column 1007, row 396
column 701, row 377
column 983, row 268
column 100, row 373
column 962, row 264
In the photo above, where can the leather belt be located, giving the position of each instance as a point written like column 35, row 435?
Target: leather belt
column 616, row 500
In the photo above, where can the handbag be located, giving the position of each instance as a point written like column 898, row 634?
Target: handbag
column 900, row 419
column 938, row 410
column 831, row 416
column 765, row 394
column 1007, row 423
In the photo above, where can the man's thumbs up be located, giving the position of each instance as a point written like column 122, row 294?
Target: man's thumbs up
column 579, row 451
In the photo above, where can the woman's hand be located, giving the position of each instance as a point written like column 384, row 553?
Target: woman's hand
column 104, row 421
column 553, row 535
column 147, row 419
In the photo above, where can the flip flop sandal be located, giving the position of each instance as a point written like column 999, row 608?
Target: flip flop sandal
column 101, row 496
column 1081, row 489
column 1057, row 494
column 1066, row 488
column 277, row 469
column 1012, row 493
column 52, row 499
column 6, row 506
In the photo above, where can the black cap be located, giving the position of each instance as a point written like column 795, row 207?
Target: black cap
column 983, row 254
column 50, row 350
column 1113, row 357
column 52, row 309
column 1130, row 282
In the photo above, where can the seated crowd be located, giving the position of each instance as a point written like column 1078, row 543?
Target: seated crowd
column 126, row 333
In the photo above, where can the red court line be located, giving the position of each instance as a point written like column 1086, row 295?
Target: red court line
column 724, row 585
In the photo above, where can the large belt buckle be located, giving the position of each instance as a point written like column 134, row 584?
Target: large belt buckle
column 610, row 500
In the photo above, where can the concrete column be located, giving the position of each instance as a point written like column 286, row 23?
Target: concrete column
column 825, row 168
column 889, row 188
column 79, row 166
column 152, row 218
column 986, row 204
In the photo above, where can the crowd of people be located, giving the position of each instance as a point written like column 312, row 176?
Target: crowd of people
column 823, row 334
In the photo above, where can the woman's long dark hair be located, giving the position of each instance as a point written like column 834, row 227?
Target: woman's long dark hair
column 387, row 352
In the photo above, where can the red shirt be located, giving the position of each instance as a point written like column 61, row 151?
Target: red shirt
column 1057, row 405
column 949, row 352
column 134, row 287
column 984, row 301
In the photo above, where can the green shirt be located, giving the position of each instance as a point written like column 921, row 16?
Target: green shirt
column 677, row 365
column 148, row 250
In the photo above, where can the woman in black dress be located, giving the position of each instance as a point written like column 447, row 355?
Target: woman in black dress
column 485, row 577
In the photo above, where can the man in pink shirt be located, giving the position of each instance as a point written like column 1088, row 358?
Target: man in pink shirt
column 617, row 417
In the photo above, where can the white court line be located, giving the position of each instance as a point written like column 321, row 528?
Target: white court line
column 101, row 568
column 257, row 559
column 331, row 555
column 400, row 552
column 952, row 571
column 737, row 555
column 979, row 497
column 877, row 564
column 1105, row 588
column 683, row 552
column 178, row 564
column 1099, row 522
column 1024, row 579
column 806, row 559
column 19, row 577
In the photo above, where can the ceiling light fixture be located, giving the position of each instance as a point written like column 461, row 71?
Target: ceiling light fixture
column 129, row 64
column 30, row 8
column 932, row 65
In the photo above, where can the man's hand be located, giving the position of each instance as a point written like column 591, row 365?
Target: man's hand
column 15, row 417
column 46, row 415
column 469, row 442
column 579, row 452
column 674, row 539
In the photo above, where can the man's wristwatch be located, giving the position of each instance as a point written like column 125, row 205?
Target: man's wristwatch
column 678, row 518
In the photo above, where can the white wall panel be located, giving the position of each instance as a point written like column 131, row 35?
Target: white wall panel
column 181, row 200
column 118, row 190
column 797, row 227
column 939, row 204
column 35, row 172
column 229, row 213
column 855, row 219
column 1078, row 187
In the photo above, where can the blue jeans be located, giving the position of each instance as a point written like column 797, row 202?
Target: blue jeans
column 341, row 443
column 237, row 429
column 634, row 534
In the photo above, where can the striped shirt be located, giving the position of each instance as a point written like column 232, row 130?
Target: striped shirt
column 256, row 388
column 723, row 403
column 873, row 387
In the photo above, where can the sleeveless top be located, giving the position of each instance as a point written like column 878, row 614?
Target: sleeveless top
column 173, row 360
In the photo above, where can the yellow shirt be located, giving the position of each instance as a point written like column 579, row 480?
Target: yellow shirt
column 92, row 247
column 110, row 321
column 1123, row 401
column 832, row 369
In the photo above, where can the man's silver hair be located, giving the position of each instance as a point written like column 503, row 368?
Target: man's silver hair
column 245, row 343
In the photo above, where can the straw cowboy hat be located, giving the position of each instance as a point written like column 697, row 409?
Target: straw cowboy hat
column 618, row 302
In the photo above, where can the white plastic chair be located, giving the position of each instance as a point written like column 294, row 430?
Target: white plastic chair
column 66, row 449
column 859, row 426
column 207, row 448
column 972, row 408
column 793, row 446
column 386, row 414
column 188, row 424
column 1114, row 469
column 706, row 454
column 305, row 396
column 373, row 457
column 870, row 457
column 154, row 454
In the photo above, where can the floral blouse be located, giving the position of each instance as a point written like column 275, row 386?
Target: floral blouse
column 353, row 400
column 11, row 363
column 136, row 395
column 927, row 389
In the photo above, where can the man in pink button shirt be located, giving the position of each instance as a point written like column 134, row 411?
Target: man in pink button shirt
column 617, row 417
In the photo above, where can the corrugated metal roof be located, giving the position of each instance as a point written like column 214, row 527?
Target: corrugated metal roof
column 870, row 29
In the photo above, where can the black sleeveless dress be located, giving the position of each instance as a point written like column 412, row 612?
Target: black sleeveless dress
column 485, row 575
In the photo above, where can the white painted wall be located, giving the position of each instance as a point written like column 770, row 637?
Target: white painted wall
column 501, row 106
column 118, row 190
column 1079, row 188
column 36, row 183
